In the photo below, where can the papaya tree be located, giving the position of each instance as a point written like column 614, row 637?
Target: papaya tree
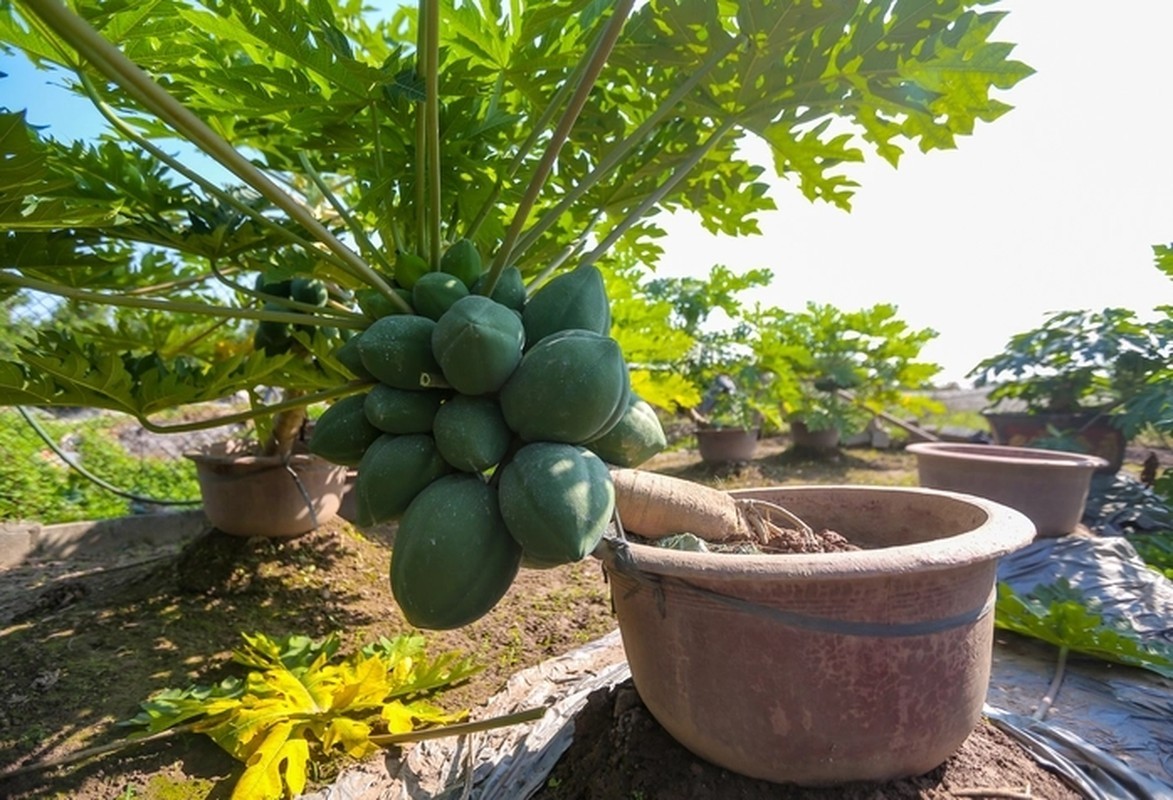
column 447, row 186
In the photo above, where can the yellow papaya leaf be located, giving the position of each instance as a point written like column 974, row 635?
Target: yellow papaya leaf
column 353, row 735
column 406, row 717
column 398, row 718
column 363, row 683
column 262, row 779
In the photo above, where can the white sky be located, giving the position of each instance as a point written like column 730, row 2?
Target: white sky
column 1055, row 206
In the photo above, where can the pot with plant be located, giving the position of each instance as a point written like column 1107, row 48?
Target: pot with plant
column 461, row 178
column 837, row 369
column 1083, row 381
column 729, row 422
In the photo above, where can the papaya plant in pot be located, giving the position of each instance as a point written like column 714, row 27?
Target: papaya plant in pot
column 1086, row 381
column 727, row 407
column 837, row 369
column 475, row 168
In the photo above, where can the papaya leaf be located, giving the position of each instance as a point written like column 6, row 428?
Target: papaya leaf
column 299, row 704
column 1064, row 617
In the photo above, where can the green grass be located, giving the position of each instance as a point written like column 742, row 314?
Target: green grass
column 36, row 485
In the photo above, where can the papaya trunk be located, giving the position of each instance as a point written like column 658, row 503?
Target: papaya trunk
column 286, row 427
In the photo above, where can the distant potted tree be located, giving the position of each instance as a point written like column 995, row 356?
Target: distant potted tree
column 1085, row 381
column 836, row 368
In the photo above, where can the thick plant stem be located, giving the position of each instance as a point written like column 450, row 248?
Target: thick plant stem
column 111, row 62
column 285, row 429
column 348, row 219
column 527, row 146
column 246, row 416
column 558, row 138
column 1053, row 690
column 458, row 728
column 655, row 197
column 620, row 151
column 421, row 140
column 163, row 157
column 432, row 125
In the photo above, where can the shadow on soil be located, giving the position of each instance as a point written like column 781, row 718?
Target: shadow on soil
column 73, row 643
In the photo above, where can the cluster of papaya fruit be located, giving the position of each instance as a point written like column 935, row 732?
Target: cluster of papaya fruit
column 276, row 338
column 487, row 430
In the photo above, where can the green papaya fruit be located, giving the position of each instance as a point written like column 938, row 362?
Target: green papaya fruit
column 397, row 350
column 509, row 291
column 575, row 299
column 342, row 434
column 281, row 288
column 471, row 433
column 409, row 268
column 571, row 387
column 348, row 356
column 478, row 343
column 435, row 293
column 463, row 261
column 309, row 290
column 392, row 472
column 453, row 559
column 635, row 438
column 375, row 304
column 394, row 410
column 557, row 500
column 274, row 338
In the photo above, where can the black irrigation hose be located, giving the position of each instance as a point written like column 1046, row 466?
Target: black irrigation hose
column 36, row 426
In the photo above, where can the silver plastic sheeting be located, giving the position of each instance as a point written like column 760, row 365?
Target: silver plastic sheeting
column 1113, row 723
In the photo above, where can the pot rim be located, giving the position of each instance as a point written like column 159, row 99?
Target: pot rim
column 1006, row 454
column 1003, row 531
column 234, row 452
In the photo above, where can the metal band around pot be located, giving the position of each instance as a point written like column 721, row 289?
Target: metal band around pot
column 624, row 564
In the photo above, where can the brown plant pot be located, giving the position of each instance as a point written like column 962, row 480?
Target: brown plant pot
column 726, row 445
column 1092, row 432
column 822, row 669
column 1049, row 486
column 807, row 439
column 250, row 495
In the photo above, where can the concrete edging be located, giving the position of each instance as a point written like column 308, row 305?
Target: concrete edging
column 23, row 542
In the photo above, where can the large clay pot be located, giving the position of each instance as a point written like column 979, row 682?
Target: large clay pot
column 1091, row 432
column 726, row 445
column 823, row 669
column 1049, row 486
column 250, row 495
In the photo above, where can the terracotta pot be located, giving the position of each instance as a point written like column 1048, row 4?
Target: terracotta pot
column 250, row 495
column 1092, row 432
column 807, row 439
column 726, row 445
column 823, row 669
column 1049, row 486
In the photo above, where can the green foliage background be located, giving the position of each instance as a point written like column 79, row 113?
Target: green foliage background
column 36, row 486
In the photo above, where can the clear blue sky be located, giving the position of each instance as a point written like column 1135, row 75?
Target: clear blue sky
column 1055, row 206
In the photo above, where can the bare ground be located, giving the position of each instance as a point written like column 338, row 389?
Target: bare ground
column 80, row 647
